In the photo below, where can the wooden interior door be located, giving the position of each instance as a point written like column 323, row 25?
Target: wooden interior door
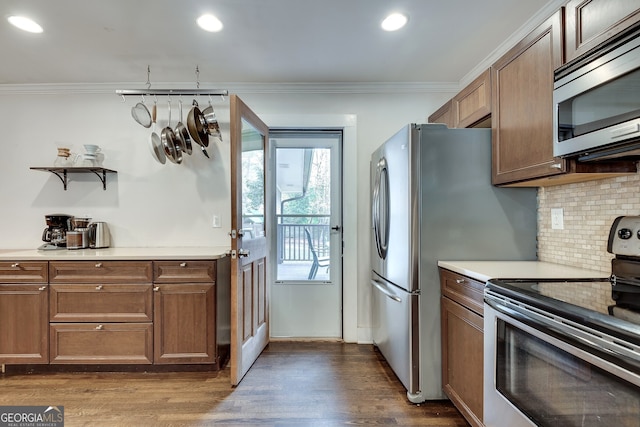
column 249, row 291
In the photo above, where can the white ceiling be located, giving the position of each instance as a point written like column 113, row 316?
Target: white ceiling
column 263, row 41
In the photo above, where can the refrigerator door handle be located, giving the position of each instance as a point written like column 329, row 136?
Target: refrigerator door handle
column 382, row 288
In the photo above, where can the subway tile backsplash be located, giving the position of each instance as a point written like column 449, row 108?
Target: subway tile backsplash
column 589, row 209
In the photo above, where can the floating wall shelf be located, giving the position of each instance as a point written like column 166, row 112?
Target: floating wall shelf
column 62, row 172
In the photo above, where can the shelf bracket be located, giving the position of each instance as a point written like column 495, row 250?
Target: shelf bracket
column 102, row 178
column 63, row 178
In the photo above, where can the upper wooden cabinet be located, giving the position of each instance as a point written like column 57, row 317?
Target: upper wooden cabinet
column 473, row 104
column 522, row 118
column 444, row 115
column 471, row 107
column 591, row 22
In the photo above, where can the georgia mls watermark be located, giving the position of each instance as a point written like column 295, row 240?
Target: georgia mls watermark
column 31, row 416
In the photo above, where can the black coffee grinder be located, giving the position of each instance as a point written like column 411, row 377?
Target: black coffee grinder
column 55, row 235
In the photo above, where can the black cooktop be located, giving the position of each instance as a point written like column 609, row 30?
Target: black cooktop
column 585, row 301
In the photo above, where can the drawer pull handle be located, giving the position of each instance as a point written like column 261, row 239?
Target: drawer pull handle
column 99, row 288
column 98, row 265
column 15, row 265
column 459, row 281
column 42, row 288
column 99, row 327
column 156, row 288
column 556, row 166
column 183, row 264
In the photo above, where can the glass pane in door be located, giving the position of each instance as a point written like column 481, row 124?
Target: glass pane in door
column 303, row 209
column 252, row 182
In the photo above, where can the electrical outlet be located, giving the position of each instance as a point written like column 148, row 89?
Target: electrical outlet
column 557, row 219
column 216, row 221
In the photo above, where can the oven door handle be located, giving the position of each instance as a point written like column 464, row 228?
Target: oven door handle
column 570, row 333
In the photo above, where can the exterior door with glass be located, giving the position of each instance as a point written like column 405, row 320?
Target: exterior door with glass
column 306, row 293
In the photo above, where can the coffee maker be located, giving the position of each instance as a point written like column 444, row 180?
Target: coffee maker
column 55, row 235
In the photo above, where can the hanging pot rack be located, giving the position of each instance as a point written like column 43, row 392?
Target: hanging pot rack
column 171, row 92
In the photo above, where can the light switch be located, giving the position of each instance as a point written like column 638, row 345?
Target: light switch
column 557, row 219
column 216, row 221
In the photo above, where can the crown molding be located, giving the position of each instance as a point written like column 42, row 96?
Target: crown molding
column 542, row 15
column 240, row 88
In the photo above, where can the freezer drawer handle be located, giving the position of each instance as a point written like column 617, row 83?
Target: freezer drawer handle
column 381, row 288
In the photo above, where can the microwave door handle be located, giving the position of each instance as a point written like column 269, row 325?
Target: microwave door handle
column 382, row 288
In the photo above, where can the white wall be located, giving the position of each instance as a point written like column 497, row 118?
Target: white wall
column 145, row 204
column 148, row 204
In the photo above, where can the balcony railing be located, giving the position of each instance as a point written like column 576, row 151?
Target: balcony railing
column 292, row 241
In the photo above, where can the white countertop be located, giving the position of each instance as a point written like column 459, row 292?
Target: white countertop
column 177, row 253
column 485, row 270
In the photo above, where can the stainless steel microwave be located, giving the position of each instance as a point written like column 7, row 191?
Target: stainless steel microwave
column 597, row 103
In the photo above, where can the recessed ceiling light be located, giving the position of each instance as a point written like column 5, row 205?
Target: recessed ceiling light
column 209, row 23
column 25, row 24
column 394, row 22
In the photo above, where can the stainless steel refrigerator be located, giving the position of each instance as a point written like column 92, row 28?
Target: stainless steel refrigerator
column 432, row 199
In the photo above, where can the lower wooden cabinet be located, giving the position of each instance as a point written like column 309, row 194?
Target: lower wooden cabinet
column 24, row 323
column 184, row 319
column 462, row 344
column 114, row 312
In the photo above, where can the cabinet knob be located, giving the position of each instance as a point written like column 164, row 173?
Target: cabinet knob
column 183, row 264
column 42, row 288
column 156, row 288
column 15, row 265
column 99, row 288
column 99, row 327
column 98, row 264
column 459, row 281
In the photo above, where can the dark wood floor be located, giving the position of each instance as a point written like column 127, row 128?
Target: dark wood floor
column 291, row 384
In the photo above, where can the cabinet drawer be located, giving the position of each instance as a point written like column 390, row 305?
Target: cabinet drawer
column 465, row 291
column 100, row 271
column 111, row 343
column 184, row 271
column 23, row 272
column 101, row 303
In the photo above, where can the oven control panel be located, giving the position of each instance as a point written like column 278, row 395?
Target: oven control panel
column 624, row 237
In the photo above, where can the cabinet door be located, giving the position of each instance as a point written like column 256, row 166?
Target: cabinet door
column 522, row 118
column 184, row 323
column 444, row 115
column 591, row 22
column 462, row 359
column 24, row 324
column 473, row 103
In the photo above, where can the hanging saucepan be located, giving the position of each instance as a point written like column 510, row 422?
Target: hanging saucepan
column 168, row 137
column 140, row 114
column 155, row 143
column 211, row 122
column 196, row 126
column 182, row 135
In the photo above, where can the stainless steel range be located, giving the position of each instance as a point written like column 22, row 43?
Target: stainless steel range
column 566, row 352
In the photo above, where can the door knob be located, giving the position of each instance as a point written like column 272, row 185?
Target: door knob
column 336, row 228
column 243, row 253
